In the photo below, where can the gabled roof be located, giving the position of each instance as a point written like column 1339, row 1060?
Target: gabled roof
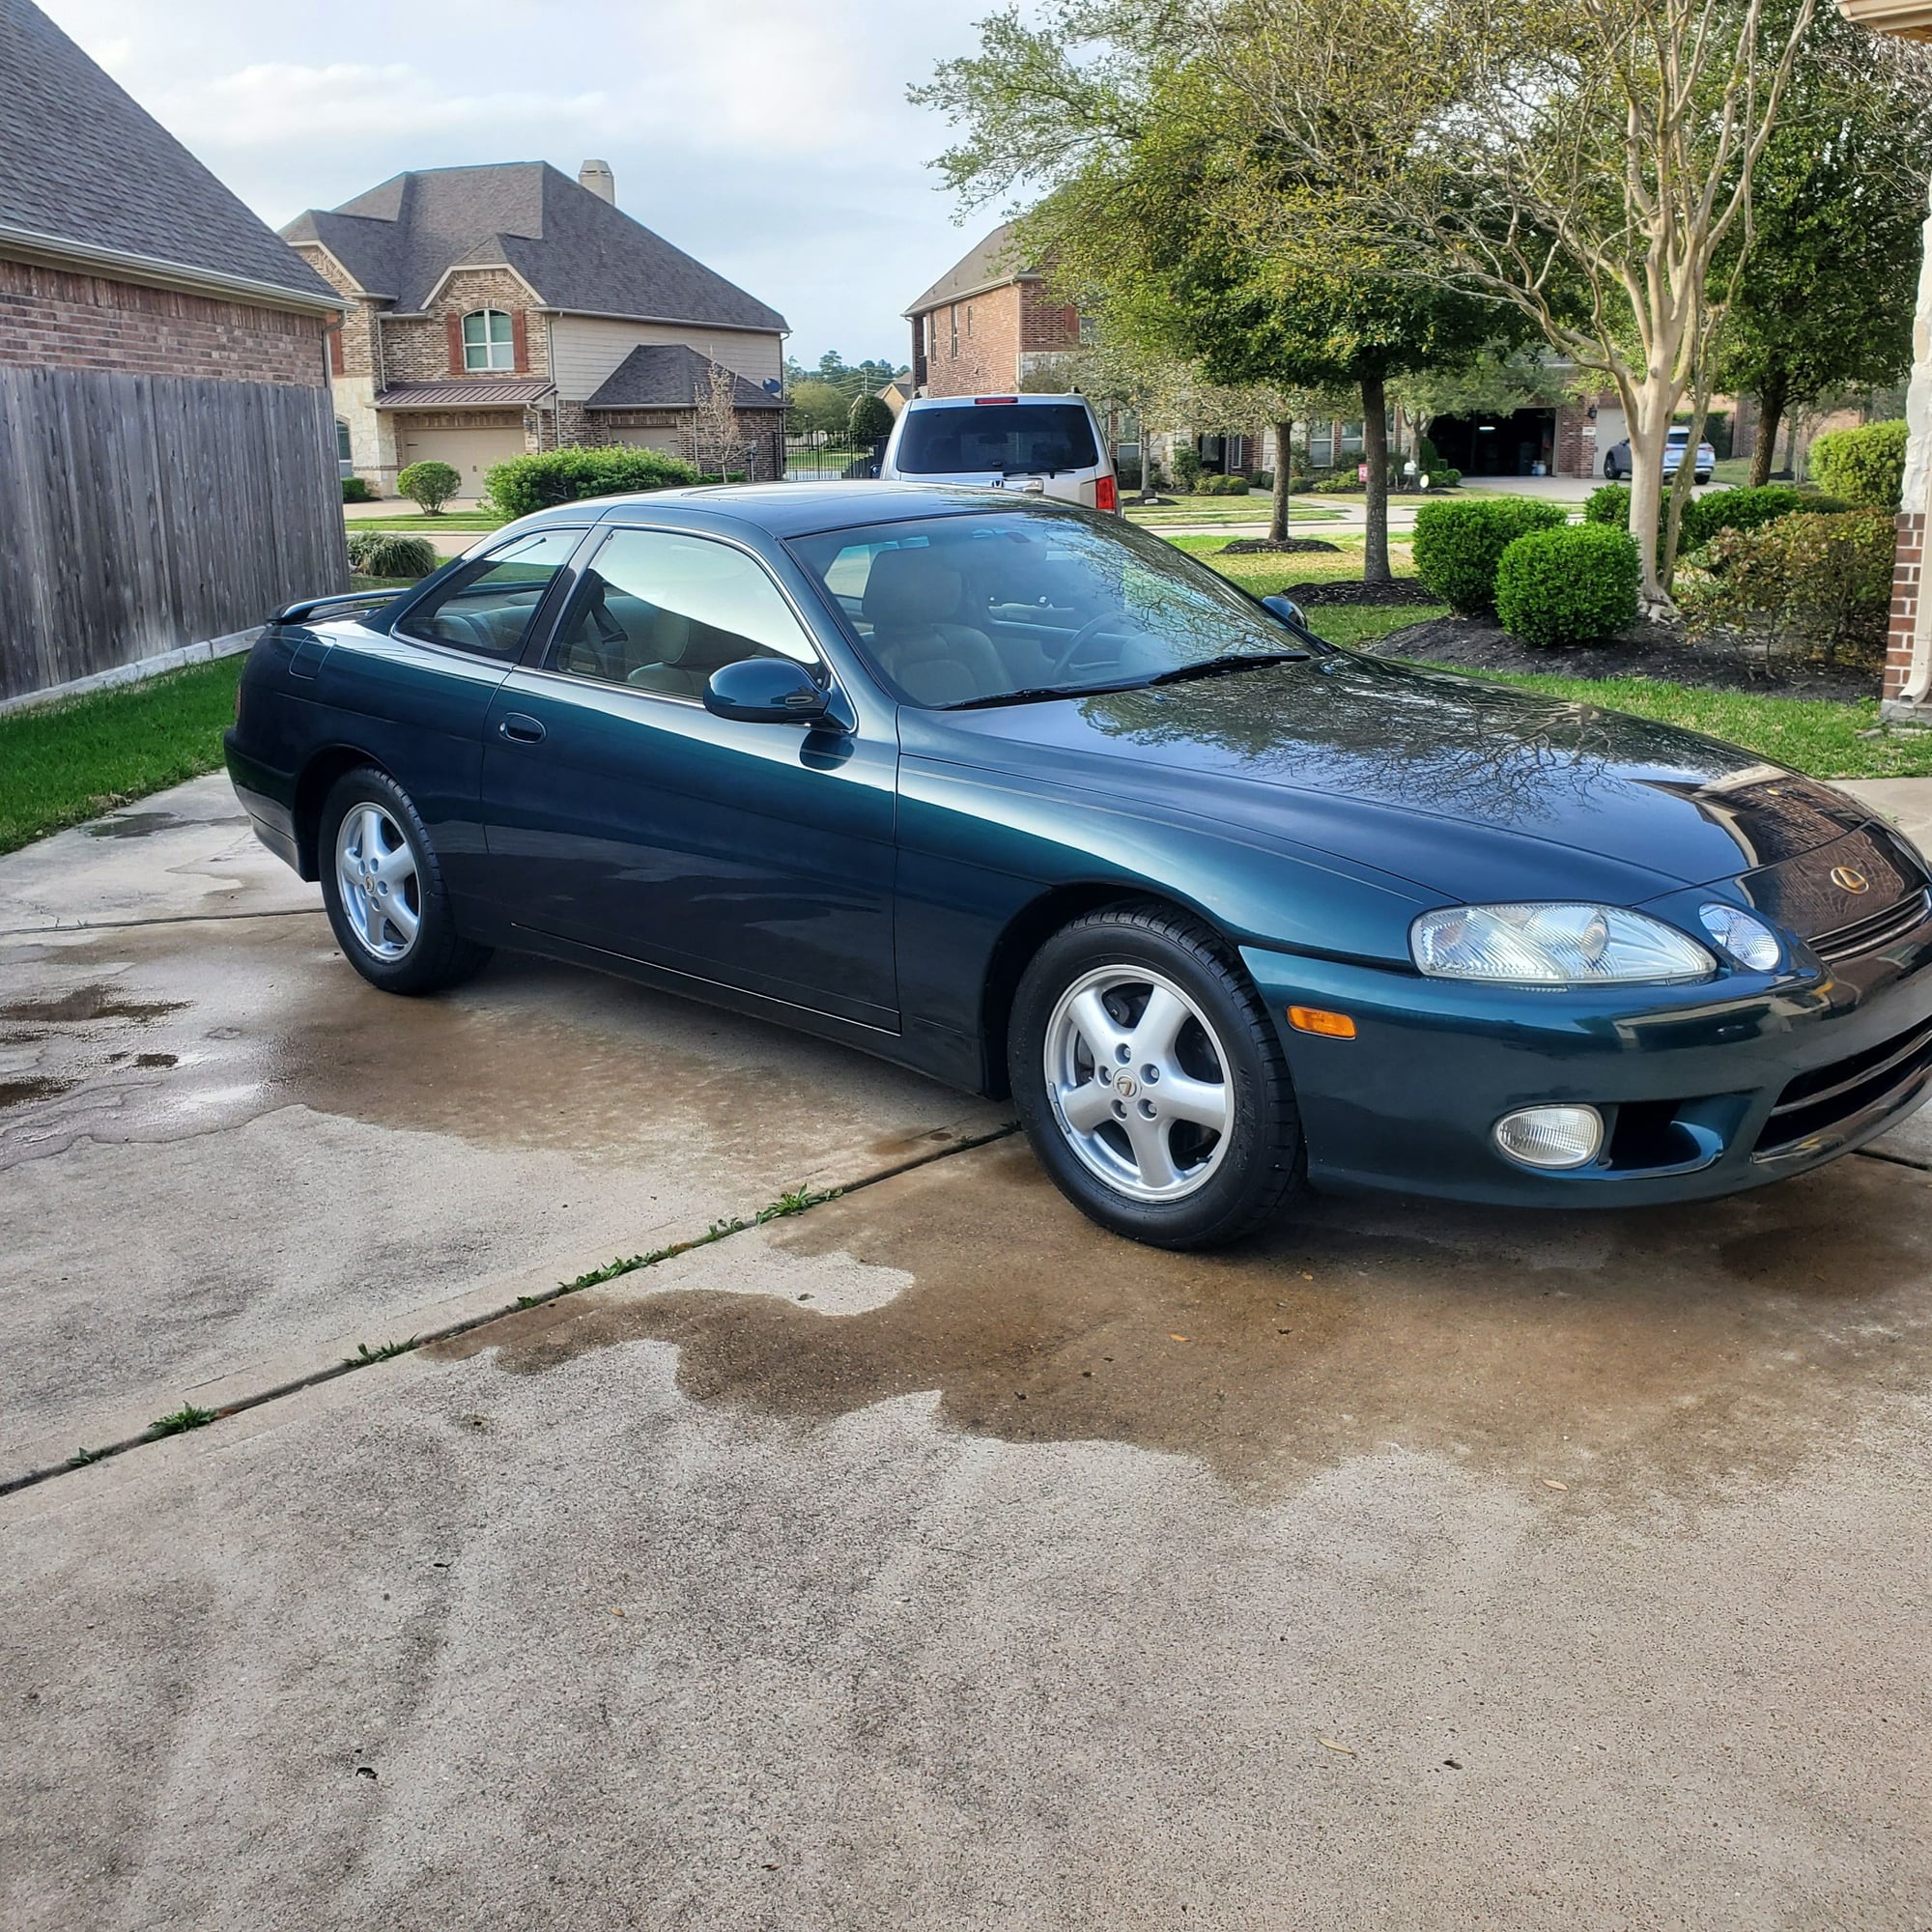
column 88, row 176
column 572, row 247
column 670, row 376
column 992, row 265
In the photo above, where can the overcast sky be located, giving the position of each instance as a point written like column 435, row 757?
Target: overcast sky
column 769, row 138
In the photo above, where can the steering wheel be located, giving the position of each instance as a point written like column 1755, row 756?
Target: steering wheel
column 1092, row 628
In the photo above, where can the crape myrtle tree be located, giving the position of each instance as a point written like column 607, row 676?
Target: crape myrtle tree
column 1825, row 299
column 1589, row 162
column 1146, row 168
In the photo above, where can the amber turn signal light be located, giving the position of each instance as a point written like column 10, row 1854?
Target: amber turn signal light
column 1314, row 1019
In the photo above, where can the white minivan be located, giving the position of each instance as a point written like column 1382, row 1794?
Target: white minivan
column 1045, row 446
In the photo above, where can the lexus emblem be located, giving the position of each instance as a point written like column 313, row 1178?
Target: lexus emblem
column 1849, row 880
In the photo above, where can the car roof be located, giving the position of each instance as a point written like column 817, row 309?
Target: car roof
column 798, row 509
column 1029, row 397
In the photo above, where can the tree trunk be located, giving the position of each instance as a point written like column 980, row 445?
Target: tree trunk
column 1283, row 483
column 1770, row 413
column 1375, row 452
column 1649, row 409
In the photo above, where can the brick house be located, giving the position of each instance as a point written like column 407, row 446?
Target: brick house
column 499, row 310
column 988, row 324
column 166, row 466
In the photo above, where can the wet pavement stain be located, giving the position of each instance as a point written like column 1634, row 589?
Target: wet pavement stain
column 1679, row 1353
column 132, row 825
column 26, row 1093
column 529, row 1056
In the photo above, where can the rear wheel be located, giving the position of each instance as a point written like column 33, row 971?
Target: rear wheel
column 1151, row 1081
column 382, row 888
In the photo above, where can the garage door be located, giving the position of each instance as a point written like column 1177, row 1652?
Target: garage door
column 667, row 439
column 470, row 452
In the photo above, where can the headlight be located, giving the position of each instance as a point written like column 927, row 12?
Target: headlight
column 1553, row 945
column 1742, row 935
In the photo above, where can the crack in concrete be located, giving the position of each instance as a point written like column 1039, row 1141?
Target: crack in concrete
column 635, row 1263
column 164, row 918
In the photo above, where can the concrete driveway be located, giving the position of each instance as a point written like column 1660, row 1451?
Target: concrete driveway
column 925, row 1559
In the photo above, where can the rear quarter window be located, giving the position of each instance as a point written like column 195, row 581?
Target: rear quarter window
column 1010, row 439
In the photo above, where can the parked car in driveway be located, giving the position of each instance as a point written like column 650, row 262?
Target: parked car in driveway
column 1027, row 799
column 1617, row 458
column 1037, row 445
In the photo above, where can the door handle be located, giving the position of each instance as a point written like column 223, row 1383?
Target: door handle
column 521, row 728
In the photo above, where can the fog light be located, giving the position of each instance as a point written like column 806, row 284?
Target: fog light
column 1551, row 1136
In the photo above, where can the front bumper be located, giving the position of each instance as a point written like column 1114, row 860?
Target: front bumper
column 1705, row 1088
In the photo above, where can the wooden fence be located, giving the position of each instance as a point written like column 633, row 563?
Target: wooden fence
column 141, row 513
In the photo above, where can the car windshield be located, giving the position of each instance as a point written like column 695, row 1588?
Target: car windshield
column 999, row 438
column 1012, row 604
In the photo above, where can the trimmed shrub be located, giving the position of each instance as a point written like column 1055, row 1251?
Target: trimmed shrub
column 1568, row 585
column 1705, row 516
column 391, row 553
column 1866, row 467
column 1442, row 476
column 1608, row 504
column 429, row 485
column 1806, row 584
column 1458, row 545
column 1223, row 486
column 356, row 489
column 1187, row 461
column 527, row 483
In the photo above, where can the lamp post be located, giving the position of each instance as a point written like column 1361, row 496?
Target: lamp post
column 1908, row 661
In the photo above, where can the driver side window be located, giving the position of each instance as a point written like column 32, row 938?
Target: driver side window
column 660, row 612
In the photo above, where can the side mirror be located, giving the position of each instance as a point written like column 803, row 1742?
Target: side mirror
column 765, row 691
column 1287, row 610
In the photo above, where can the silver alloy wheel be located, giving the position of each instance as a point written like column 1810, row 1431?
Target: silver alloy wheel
column 376, row 875
column 1138, row 1083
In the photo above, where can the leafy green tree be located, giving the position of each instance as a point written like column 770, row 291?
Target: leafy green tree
column 1149, row 171
column 1825, row 298
column 817, row 408
column 868, row 420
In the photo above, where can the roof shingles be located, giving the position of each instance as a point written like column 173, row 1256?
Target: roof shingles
column 83, row 165
column 575, row 251
column 670, row 376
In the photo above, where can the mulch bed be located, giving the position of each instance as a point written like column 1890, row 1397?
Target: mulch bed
column 1645, row 650
column 1273, row 546
column 1351, row 590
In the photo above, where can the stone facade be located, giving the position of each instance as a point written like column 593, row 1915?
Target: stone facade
column 53, row 319
column 989, row 343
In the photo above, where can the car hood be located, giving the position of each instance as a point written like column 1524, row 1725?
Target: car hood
column 1480, row 792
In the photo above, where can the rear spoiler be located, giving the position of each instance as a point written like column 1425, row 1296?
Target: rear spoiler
column 306, row 607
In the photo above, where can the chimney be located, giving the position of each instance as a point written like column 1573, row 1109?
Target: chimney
column 597, row 177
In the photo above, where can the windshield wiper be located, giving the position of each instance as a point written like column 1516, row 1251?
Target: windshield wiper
column 1035, row 694
column 1221, row 665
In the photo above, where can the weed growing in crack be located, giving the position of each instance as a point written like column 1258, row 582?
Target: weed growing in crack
column 794, row 1202
column 364, row 1354
column 81, row 1457
column 188, row 1416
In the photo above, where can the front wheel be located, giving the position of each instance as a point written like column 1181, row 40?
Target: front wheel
column 1150, row 1080
column 382, row 888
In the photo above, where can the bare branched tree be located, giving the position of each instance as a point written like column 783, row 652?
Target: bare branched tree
column 718, row 441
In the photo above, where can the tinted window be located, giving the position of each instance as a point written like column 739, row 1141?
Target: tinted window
column 661, row 613
column 960, row 610
column 485, row 607
column 1007, row 438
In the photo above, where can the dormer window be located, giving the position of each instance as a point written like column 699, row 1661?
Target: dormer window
column 487, row 341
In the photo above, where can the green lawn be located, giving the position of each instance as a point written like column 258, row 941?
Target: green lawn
column 416, row 522
column 74, row 761
column 1253, row 508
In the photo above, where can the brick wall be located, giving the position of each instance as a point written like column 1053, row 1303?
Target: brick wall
column 356, row 336
column 52, row 319
column 983, row 357
column 1047, row 324
column 761, row 430
column 1908, row 558
column 418, row 350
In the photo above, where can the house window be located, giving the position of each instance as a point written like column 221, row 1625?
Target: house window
column 343, row 452
column 1320, row 446
column 1352, row 439
column 952, row 317
column 969, row 318
column 487, row 342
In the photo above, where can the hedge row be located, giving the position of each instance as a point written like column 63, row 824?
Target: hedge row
column 527, row 483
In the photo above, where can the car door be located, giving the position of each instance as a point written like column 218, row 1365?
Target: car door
column 621, row 813
column 414, row 696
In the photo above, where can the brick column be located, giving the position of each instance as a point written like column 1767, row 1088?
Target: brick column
column 1907, row 558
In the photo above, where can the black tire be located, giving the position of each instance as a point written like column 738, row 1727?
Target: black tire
column 1261, row 1165
column 437, row 955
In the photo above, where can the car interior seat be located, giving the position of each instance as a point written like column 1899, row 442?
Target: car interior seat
column 912, row 602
